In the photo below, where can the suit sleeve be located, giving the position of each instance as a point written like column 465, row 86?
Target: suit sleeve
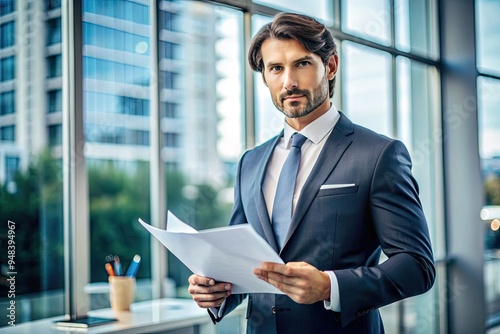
column 400, row 225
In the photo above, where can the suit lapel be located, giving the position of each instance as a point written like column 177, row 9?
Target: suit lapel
column 334, row 148
column 260, row 201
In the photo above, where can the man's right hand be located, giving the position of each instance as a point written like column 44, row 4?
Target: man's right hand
column 206, row 292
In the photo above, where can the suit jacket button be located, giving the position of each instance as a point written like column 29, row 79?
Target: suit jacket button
column 273, row 309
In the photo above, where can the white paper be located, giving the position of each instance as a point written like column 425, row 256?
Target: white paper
column 226, row 254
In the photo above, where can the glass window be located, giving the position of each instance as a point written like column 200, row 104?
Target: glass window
column 7, row 103
column 8, row 133
column 171, row 21
column 202, row 123
column 487, row 49
column 7, row 34
column 489, row 148
column 11, row 168
column 366, row 93
column 116, row 128
column 109, row 134
column 31, row 186
column 172, row 80
column 54, row 31
column 114, row 71
column 489, row 120
column 7, row 7
column 369, row 19
column 419, row 127
column 487, row 27
column 55, row 135
column 116, row 103
column 7, row 69
column 416, row 27
column 54, row 66
column 169, row 109
column 52, row 4
column 134, row 106
column 120, row 10
column 268, row 119
column 55, row 100
column 115, row 39
column 172, row 139
column 320, row 9
column 168, row 50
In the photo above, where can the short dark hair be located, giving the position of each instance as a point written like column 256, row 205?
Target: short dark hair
column 313, row 35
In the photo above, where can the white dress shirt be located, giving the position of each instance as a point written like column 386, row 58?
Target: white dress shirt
column 317, row 133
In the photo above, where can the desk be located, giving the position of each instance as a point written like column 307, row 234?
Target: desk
column 167, row 316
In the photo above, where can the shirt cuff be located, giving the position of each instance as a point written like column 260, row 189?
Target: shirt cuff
column 334, row 303
column 217, row 311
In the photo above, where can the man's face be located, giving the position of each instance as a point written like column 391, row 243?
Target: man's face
column 297, row 79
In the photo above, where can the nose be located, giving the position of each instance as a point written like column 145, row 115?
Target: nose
column 290, row 80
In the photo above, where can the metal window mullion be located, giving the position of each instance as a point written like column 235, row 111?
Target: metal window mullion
column 75, row 184
column 249, row 110
column 392, row 24
column 394, row 91
column 462, row 170
column 394, row 94
column 337, row 15
column 159, row 258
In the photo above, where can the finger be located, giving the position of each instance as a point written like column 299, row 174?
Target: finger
column 202, row 289
column 207, row 301
column 274, row 269
column 282, row 282
column 272, row 266
column 201, row 280
column 269, row 276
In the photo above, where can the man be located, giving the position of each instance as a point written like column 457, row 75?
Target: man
column 354, row 195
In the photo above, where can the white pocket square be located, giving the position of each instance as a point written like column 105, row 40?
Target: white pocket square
column 335, row 186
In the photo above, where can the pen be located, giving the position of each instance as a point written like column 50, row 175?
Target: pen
column 110, row 258
column 117, row 266
column 134, row 266
column 109, row 269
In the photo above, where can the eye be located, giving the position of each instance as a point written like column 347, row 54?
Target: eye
column 303, row 63
column 275, row 68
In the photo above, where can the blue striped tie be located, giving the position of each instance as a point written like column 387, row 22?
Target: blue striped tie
column 282, row 208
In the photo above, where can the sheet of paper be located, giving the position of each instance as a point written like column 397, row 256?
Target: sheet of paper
column 226, row 254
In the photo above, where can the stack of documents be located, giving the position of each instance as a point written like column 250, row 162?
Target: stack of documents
column 226, row 254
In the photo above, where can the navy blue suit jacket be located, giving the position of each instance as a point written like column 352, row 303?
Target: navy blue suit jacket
column 342, row 229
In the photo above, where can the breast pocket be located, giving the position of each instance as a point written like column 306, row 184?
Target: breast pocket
column 336, row 189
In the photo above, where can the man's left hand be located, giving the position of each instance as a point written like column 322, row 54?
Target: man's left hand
column 298, row 280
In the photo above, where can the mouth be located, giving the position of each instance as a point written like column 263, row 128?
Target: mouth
column 293, row 97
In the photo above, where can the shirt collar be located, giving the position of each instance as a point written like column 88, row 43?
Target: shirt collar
column 317, row 130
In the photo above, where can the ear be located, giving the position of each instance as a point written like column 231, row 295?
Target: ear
column 332, row 66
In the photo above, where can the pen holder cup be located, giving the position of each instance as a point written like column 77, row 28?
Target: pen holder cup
column 121, row 292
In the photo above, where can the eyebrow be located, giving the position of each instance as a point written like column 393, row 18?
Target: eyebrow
column 308, row 58
column 303, row 59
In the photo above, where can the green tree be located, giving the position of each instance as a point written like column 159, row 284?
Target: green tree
column 118, row 195
column 492, row 189
column 34, row 204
